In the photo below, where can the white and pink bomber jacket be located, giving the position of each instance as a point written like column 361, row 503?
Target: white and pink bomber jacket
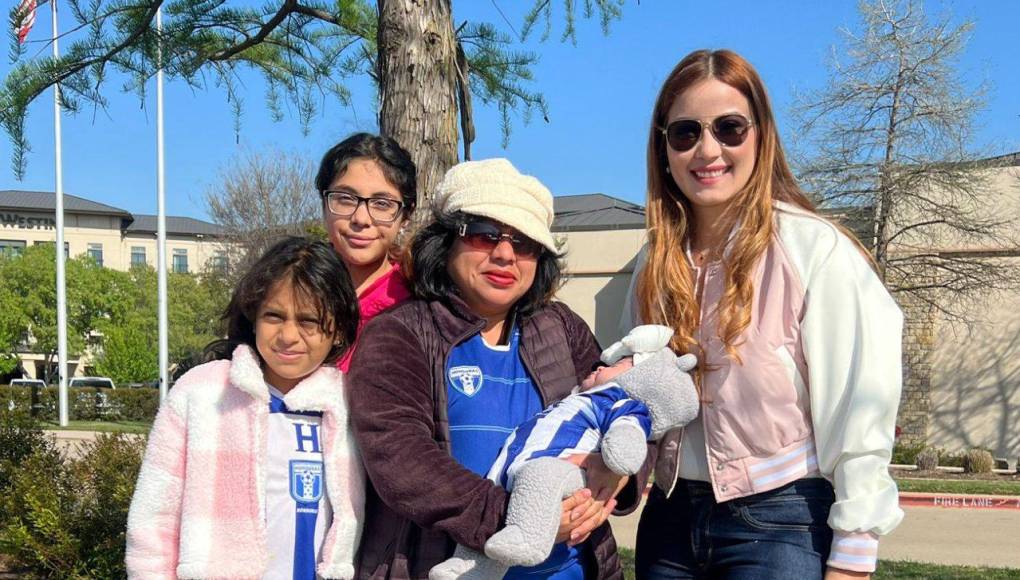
column 818, row 389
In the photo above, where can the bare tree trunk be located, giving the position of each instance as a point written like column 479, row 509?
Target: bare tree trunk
column 883, row 207
column 418, row 85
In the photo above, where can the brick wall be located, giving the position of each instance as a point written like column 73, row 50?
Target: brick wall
column 918, row 343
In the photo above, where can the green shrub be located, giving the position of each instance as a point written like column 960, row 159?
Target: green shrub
column 928, row 459
column 978, row 461
column 20, row 437
column 85, row 404
column 135, row 404
column 906, row 454
column 67, row 517
column 947, row 459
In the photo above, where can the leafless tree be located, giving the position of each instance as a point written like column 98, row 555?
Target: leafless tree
column 890, row 135
column 259, row 197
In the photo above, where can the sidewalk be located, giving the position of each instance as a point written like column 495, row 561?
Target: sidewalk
column 70, row 441
column 966, row 537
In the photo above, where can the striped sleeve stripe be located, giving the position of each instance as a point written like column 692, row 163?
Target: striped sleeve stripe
column 804, row 450
column 857, row 552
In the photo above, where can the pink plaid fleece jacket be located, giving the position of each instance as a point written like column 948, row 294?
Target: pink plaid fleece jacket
column 199, row 506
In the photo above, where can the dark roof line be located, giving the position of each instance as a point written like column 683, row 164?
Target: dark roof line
column 47, row 200
column 138, row 223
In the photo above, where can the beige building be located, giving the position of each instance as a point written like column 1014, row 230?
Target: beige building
column 601, row 236
column 974, row 396
column 112, row 236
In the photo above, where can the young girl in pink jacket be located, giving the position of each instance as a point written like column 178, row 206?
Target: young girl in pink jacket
column 250, row 470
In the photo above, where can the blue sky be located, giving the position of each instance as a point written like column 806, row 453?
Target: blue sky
column 600, row 93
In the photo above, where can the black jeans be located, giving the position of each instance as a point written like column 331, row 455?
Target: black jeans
column 779, row 534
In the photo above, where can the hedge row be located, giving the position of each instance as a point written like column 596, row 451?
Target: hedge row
column 63, row 516
column 85, row 404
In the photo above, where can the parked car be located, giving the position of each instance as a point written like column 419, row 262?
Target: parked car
column 28, row 383
column 102, row 401
column 99, row 382
column 144, row 385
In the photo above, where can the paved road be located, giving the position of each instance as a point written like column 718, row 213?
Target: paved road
column 971, row 537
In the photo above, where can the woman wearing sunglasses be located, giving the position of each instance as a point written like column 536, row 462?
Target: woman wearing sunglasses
column 368, row 188
column 439, row 382
column 784, row 474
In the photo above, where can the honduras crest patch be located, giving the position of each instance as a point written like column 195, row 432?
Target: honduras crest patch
column 467, row 379
column 306, row 481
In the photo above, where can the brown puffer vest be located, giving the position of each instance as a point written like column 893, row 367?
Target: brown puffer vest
column 397, row 386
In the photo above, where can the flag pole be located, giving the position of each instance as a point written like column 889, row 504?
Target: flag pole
column 161, row 217
column 61, row 281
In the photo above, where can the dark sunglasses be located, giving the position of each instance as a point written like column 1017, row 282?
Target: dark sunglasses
column 486, row 236
column 729, row 130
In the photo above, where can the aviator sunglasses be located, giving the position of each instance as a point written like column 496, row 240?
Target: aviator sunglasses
column 729, row 130
column 486, row 236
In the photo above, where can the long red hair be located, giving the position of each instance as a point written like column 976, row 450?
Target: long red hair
column 666, row 286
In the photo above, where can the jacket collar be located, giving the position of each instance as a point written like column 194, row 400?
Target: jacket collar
column 319, row 391
column 454, row 319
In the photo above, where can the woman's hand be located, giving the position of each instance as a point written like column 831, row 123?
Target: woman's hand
column 604, row 486
column 578, row 510
column 837, row 574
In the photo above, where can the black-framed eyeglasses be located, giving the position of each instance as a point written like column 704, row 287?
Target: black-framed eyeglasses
column 729, row 130
column 485, row 236
column 381, row 209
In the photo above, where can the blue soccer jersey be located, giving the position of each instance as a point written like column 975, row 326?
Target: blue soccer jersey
column 490, row 393
column 297, row 508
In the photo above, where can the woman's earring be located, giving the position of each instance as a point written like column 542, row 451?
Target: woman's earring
column 667, row 169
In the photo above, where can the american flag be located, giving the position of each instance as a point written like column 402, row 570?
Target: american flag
column 24, row 18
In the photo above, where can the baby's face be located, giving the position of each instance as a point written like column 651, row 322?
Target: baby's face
column 603, row 375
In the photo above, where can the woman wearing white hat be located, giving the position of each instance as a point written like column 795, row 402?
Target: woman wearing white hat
column 438, row 383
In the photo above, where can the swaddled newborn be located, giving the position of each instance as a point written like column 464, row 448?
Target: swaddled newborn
column 645, row 392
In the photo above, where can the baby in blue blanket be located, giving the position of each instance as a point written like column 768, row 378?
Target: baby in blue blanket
column 645, row 392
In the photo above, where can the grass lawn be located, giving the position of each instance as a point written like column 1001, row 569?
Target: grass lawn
column 986, row 487
column 101, row 426
column 894, row 570
column 917, row 571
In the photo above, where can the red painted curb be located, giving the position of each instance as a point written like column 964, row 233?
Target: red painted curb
column 965, row 501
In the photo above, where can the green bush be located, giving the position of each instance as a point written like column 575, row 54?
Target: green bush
column 928, row 459
column 67, row 517
column 85, row 404
column 978, row 461
column 20, row 437
column 947, row 459
column 906, row 454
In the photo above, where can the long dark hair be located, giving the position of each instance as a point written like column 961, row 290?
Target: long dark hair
column 394, row 160
column 426, row 265
column 316, row 274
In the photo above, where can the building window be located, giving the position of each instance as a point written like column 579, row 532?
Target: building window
column 95, row 252
column 219, row 261
column 11, row 248
column 138, row 256
column 180, row 264
column 67, row 246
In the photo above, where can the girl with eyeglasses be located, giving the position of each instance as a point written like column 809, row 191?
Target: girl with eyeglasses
column 785, row 472
column 439, row 382
column 368, row 186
